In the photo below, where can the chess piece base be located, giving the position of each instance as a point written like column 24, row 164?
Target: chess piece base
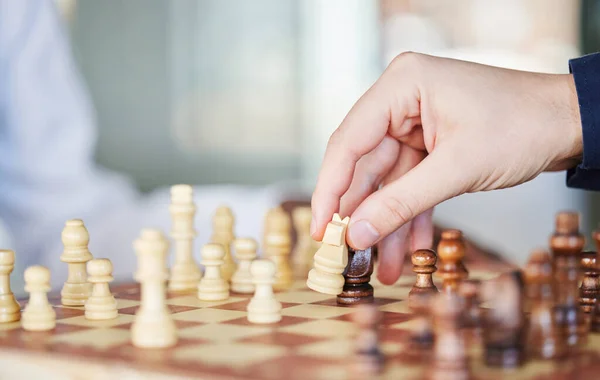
column 355, row 294
column 101, row 308
column 326, row 283
column 10, row 310
column 505, row 357
column 75, row 294
column 154, row 332
column 213, row 290
column 37, row 320
column 184, row 278
column 264, row 311
column 242, row 287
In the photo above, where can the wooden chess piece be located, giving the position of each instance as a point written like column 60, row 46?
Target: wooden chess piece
column 277, row 221
column 38, row 314
column 331, row 259
column 423, row 261
column 212, row 286
column 10, row 310
column 245, row 252
column 450, row 361
column 101, row 304
column 306, row 247
column 75, row 238
column 153, row 326
column 451, row 252
column 590, row 284
column 504, row 321
column 566, row 244
column 185, row 273
column 223, row 226
column 357, row 275
column 263, row 308
column 544, row 339
column 278, row 250
column 368, row 359
column 472, row 316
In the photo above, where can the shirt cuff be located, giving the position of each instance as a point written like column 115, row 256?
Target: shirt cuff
column 586, row 74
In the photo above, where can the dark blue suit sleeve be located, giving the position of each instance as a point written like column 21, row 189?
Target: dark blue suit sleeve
column 586, row 73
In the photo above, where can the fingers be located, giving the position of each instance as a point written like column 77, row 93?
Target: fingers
column 370, row 171
column 392, row 251
column 421, row 232
column 432, row 181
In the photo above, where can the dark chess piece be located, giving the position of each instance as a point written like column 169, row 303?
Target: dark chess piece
column 544, row 338
column 566, row 244
column 368, row 358
column 469, row 290
column 419, row 297
column 450, row 361
column 590, row 284
column 451, row 252
column 357, row 275
column 504, row 321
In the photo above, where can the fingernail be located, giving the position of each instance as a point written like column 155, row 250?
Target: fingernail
column 313, row 225
column 362, row 234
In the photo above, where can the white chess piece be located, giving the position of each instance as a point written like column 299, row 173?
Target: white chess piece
column 101, row 304
column 212, row 286
column 331, row 259
column 10, row 311
column 153, row 326
column 38, row 314
column 185, row 273
column 223, row 225
column 278, row 250
column 263, row 307
column 305, row 247
column 75, row 238
column 277, row 221
column 245, row 252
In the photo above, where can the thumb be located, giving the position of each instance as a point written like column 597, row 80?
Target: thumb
column 432, row 181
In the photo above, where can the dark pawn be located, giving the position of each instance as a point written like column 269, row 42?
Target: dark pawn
column 451, row 252
column 544, row 338
column 504, row 322
column 590, row 284
column 450, row 361
column 566, row 244
column 357, row 275
column 419, row 297
column 469, row 290
column 368, row 358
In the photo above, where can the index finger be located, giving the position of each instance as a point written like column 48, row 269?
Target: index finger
column 361, row 131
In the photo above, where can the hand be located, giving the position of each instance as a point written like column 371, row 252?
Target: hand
column 430, row 129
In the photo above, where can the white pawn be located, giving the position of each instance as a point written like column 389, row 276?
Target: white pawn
column 153, row 326
column 223, row 226
column 101, row 304
column 212, row 286
column 10, row 311
column 38, row 314
column 245, row 251
column 75, row 238
column 263, row 307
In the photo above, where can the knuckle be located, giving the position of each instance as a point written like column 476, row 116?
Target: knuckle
column 397, row 212
column 407, row 60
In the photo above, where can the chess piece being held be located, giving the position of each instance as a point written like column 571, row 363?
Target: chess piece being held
column 10, row 310
column 185, row 273
column 38, row 314
column 263, row 307
column 331, row 259
column 245, row 251
column 153, row 326
column 101, row 304
column 75, row 238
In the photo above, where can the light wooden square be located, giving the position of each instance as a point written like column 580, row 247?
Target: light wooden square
column 223, row 332
column 82, row 321
column 102, row 338
column 315, row 311
column 193, row 301
column 396, row 307
column 209, row 315
column 331, row 348
column 230, row 354
column 302, row 296
column 322, row 328
column 393, row 292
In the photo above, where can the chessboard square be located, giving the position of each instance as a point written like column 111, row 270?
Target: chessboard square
column 123, row 303
column 411, row 324
column 394, row 292
column 222, row 333
column 82, row 321
column 193, row 301
column 329, row 349
column 208, row 315
column 230, row 354
column 315, row 311
column 322, row 327
column 302, row 296
column 283, row 339
column 397, row 307
column 285, row 321
column 102, row 338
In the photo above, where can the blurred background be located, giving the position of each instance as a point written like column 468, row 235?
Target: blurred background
column 248, row 92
